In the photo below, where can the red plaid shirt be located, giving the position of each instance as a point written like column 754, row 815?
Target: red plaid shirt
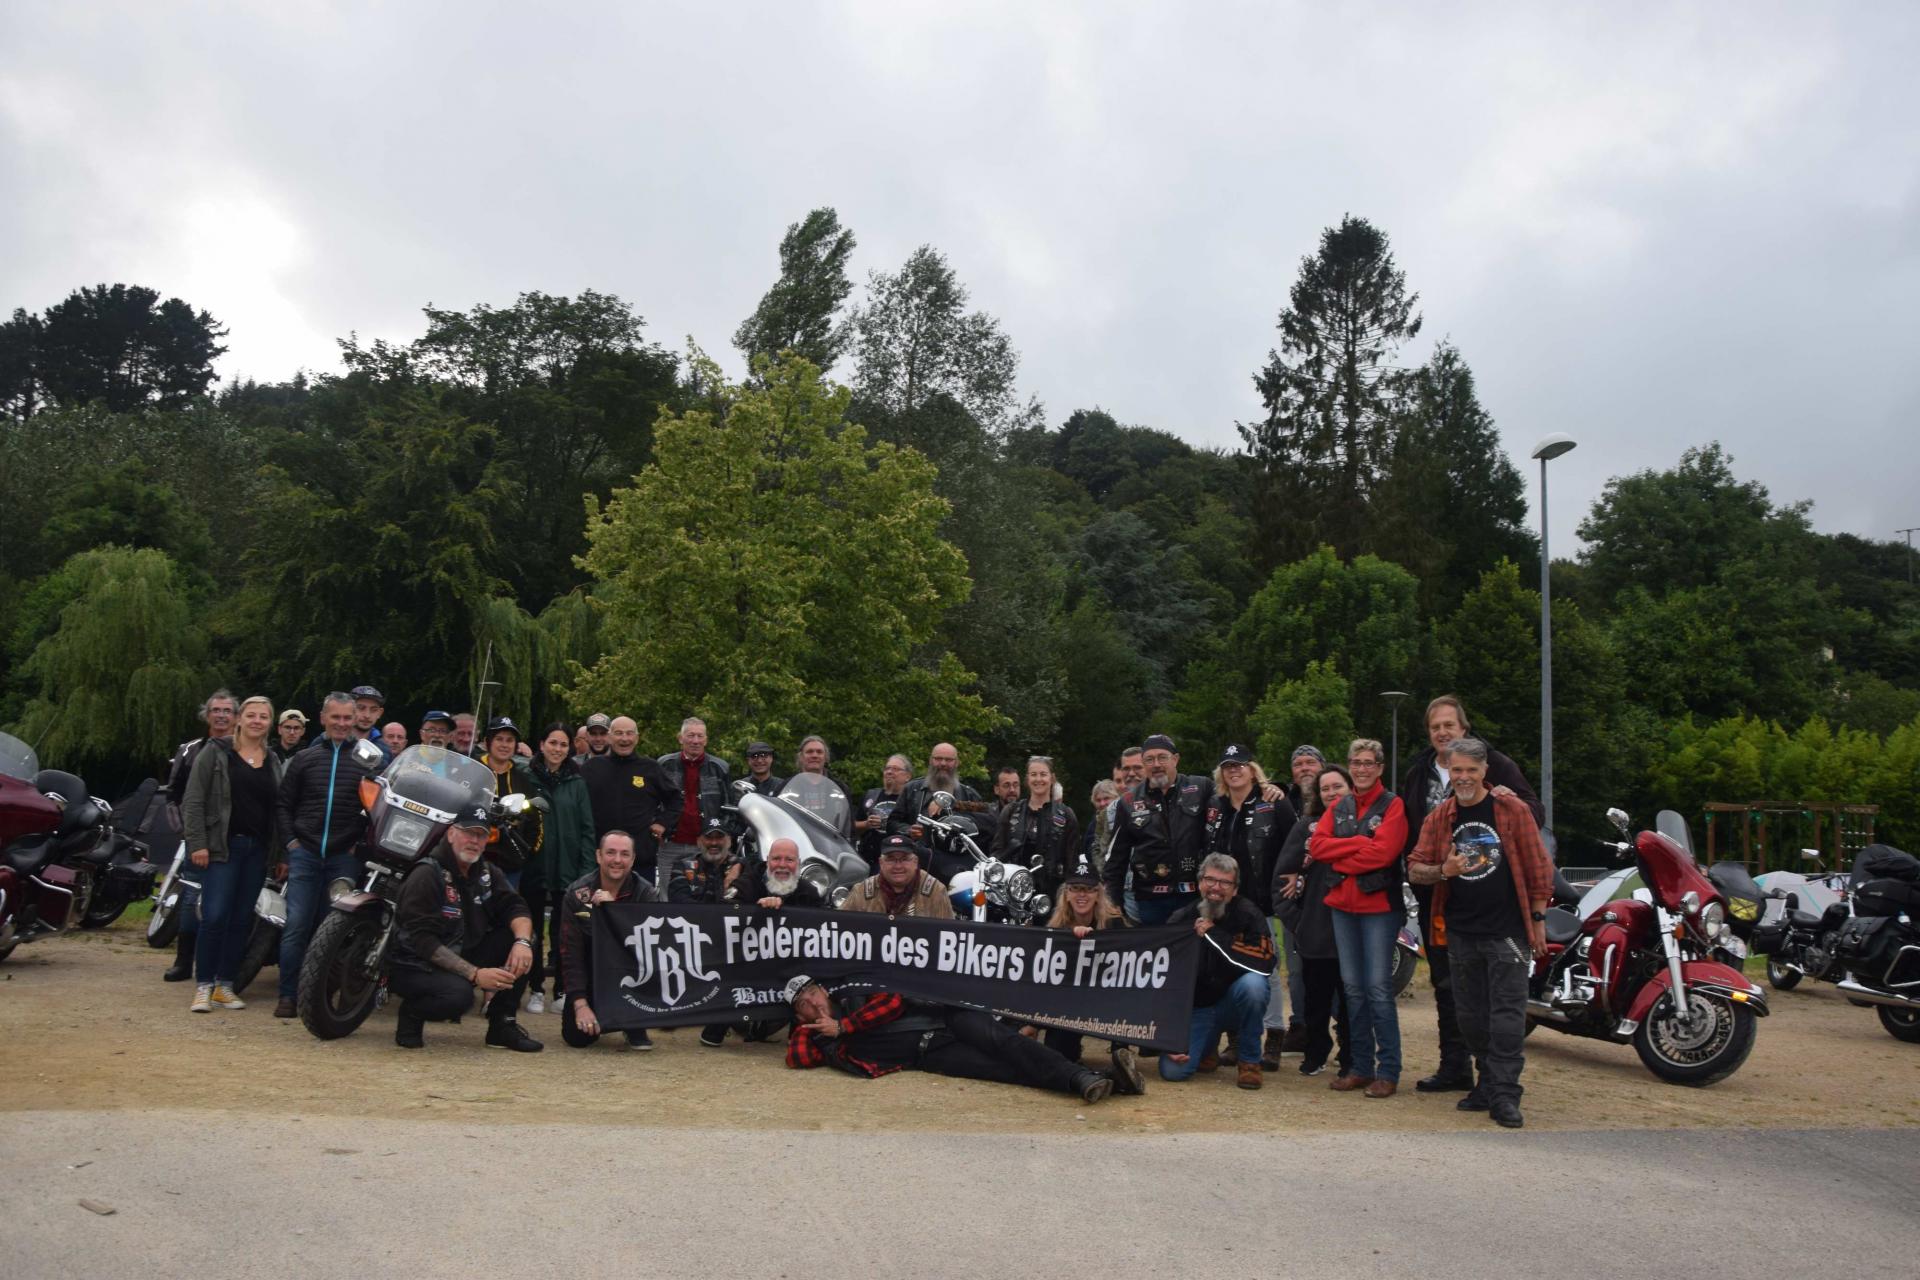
column 808, row 1048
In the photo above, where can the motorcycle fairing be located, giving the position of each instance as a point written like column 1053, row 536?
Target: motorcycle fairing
column 1704, row 975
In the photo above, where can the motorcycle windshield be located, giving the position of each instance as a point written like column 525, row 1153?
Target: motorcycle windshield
column 17, row 759
column 439, row 778
column 1674, row 827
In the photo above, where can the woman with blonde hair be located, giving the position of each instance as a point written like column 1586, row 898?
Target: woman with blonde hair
column 1085, row 908
column 228, row 820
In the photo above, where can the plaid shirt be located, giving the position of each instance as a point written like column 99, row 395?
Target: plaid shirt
column 1527, row 856
column 808, row 1048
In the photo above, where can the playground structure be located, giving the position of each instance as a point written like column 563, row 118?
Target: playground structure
column 1769, row 835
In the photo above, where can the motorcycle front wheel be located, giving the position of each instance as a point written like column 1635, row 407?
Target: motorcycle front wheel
column 1700, row 1052
column 1780, row 977
column 1404, row 963
column 163, row 926
column 337, row 991
column 262, row 945
column 103, row 910
column 1901, row 1024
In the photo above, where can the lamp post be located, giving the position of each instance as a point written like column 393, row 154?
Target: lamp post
column 1547, row 450
column 1394, row 698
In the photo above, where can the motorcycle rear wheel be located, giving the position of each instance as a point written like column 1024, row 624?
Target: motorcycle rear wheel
column 1404, row 963
column 103, row 910
column 163, row 926
column 1781, row 978
column 1699, row 1057
column 336, row 991
column 262, row 945
column 1901, row 1024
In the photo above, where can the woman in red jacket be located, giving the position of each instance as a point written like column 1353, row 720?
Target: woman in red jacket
column 1360, row 838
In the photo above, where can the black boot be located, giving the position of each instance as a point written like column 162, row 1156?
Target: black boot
column 1092, row 1086
column 505, row 1033
column 1506, row 1114
column 1448, row 1079
column 407, row 1029
column 182, row 959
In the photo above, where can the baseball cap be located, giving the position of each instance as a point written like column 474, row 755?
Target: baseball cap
column 795, row 985
column 897, row 844
column 715, row 827
column 599, row 720
column 1236, row 754
column 473, row 816
column 502, row 724
column 366, row 692
column 757, row 748
column 294, row 714
column 1159, row 742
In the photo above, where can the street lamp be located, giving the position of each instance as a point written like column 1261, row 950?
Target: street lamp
column 1547, row 450
column 1394, row 698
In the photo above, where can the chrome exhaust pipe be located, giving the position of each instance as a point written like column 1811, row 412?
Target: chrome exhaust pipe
column 1869, row 995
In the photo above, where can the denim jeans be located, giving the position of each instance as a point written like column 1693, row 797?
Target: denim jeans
column 1365, row 944
column 228, row 891
column 308, row 875
column 1238, row 1011
column 1154, row 908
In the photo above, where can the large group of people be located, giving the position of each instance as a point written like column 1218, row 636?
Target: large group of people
column 1296, row 885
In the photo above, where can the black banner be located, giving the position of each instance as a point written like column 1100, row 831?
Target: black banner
column 665, row 965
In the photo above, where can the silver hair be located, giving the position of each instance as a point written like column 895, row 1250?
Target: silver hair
column 1471, row 748
column 905, row 763
column 692, row 720
column 344, row 699
column 1221, row 863
column 812, row 737
column 215, row 696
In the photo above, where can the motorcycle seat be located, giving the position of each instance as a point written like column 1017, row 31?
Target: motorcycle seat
column 1564, row 894
column 1803, row 919
column 27, row 856
column 1562, row 926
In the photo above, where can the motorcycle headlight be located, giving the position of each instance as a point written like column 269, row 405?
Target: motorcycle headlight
column 817, row 876
column 405, row 834
column 993, row 874
column 1713, row 919
column 1020, row 884
column 1690, row 903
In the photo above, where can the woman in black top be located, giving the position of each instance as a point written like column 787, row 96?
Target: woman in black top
column 1300, row 900
column 228, row 817
column 1040, row 824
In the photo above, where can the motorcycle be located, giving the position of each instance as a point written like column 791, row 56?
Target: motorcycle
column 990, row 889
column 176, row 902
column 828, row 860
column 410, row 805
column 1640, row 970
column 1407, row 948
column 1800, row 925
column 1880, row 943
column 59, row 851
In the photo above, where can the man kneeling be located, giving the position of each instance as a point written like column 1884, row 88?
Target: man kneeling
column 613, row 879
column 461, row 926
column 1230, row 985
column 884, row 1034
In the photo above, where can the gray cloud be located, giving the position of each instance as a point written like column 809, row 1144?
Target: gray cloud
column 1648, row 226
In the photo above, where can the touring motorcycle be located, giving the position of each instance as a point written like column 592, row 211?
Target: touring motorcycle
column 990, row 889
column 828, row 860
column 1640, row 969
column 1880, row 943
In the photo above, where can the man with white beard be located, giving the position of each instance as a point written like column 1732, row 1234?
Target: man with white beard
column 776, row 883
column 1230, row 984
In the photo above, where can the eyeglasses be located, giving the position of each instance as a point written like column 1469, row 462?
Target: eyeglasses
column 1219, row 880
column 1362, row 764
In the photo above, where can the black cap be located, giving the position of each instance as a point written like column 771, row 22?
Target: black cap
column 502, row 724
column 757, row 748
column 367, row 692
column 1159, row 742
column 899, row 844
column 474, row 816
column 1236, row 754
column 599, row 720
column 1082, row 873
column 715, row 827
column 436, row 717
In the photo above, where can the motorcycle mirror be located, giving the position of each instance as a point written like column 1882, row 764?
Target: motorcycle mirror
column 1040, row 904
column 1618, row 817
column 1037, row 863
column 944, row 799
column 1811, row 855
column 366, row 755
column 513, row 805
column 542, row 804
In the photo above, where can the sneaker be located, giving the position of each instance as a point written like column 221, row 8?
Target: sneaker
column 640, row 1041
column 508, row 1034
column 202, row 999
column 1312, row 1068
column 713, row 1037
column 1127, row 1077
column 1249, row 1075
column 224, row 997
column 537, row 1003
column 1092, row 1086
column 285, row 1008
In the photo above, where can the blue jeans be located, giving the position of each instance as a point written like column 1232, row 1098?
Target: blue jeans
column 1154, row 908
column 1365, row 944
column 228, row 891
column 1238, row 1011
column 308, row 875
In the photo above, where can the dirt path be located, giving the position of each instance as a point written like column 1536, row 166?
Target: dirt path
column 86, row 1024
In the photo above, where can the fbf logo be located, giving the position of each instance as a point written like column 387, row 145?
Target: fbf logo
column 670, row 951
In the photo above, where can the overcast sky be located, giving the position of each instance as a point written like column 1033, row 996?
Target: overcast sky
column 1645, row 225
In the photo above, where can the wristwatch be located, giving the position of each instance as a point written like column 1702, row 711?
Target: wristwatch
column 1539, row 915
column 528, row 942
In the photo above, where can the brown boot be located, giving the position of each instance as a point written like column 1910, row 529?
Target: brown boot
column 1348, row 1084
column 1209, row 1061
column 286, row 1009
column 1382, row 1089
column 1270, row 1050
column 1249, row 1075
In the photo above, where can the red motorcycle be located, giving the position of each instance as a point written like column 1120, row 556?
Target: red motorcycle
column 60, row 857
column 1638, row 969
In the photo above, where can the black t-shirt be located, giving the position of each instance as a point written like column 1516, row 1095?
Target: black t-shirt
column 252, row 798
column 1481, row 900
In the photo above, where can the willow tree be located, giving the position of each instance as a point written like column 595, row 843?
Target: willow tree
column 776, row 573
column 121, row 674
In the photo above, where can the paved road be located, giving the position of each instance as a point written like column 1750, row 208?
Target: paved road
column 209, row 1196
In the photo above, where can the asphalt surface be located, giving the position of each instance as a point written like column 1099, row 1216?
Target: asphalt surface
column 210, row 1195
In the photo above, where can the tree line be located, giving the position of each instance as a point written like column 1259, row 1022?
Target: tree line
column 875, row 536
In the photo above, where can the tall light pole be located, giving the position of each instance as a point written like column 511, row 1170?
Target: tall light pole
column 1547, row 450
column 1909, row 535
column 1394, row 698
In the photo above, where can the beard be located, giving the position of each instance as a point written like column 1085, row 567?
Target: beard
column 781, row 886
column 1210, row 910
column 941, row 779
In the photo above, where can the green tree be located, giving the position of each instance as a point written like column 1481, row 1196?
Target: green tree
column 1315, row 708
column 914, row 340
column 1330, row 392
column 122, row 671
column 119, row 345
column 801, row 312
column 774, row 572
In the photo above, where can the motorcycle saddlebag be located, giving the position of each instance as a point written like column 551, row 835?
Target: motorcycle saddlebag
column 1886, row 898
column 1862, row 938
column 132, row 879
column 1767, row 938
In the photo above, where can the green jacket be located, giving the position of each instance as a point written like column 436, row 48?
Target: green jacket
column 567, row 853
column 207, row 808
